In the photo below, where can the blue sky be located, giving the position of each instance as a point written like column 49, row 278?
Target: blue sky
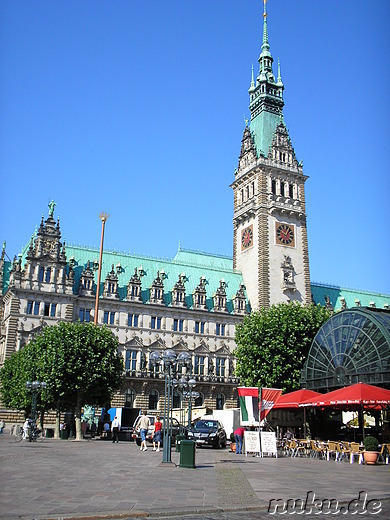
column 137, row 108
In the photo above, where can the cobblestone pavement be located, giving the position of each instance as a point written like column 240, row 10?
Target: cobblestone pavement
column 59, row 479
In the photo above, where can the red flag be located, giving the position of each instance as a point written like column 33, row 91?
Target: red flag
column 269, row 397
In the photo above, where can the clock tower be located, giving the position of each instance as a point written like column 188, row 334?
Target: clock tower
column 269, row 222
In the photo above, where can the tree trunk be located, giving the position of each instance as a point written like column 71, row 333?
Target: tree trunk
column 57, row 425
column 79, row 433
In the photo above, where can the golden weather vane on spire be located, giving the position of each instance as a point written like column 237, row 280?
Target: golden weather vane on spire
column 265, row 8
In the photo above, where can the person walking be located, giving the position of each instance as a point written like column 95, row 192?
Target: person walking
column 157, row 434
column 115, row 427
column 144, row 424
column 238, row 437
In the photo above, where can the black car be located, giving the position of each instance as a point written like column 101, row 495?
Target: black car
column 208, row 432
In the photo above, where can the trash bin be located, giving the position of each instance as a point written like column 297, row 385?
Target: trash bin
column 49, row 433
column 187, row 454
column 64, row 434
column 179, row 439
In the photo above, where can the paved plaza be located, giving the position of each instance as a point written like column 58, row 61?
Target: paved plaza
column 96, row 479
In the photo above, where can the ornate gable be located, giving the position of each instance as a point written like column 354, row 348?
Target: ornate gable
column 223, row 349
column 281, row 150
column 248, row 156
column 202, row 348
column 180, row 346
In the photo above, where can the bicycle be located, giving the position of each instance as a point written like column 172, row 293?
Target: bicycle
column 32, row 434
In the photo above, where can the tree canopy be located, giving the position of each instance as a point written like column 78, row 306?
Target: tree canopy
column 79, row 362
column 272, row 344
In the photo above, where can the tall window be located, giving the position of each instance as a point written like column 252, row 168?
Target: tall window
column 291, row 191
column 220, row 367
column 46, row 310
column 109, row 318
column 129, row 398
column 41, row 274
column 176, row 399
column 273, row 187
column 153, row 400
column 132, row 320
column 36, row 308
column 155, row 322
column 85, row 315
column 47, row 275
column 220, row 329
column 199, row 327
column 131, row 360
column 178, row 325
column 199, row 365
column 53, row 310
column 219, row 402
column 282, row 189
column 30, row 307
column 199, row 400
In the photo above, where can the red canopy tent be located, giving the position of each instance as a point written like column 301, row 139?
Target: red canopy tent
column 359, row 396
column 367, row 396
column 292, row 401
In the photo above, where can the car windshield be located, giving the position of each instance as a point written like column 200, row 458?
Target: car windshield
column 202, row 425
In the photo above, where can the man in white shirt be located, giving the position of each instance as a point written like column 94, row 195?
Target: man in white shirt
column 115, row 427
column 144, row 424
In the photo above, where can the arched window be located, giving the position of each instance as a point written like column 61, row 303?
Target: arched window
column 199, row 400
column 220, row 402
column 176, row 399
column 129, row 398
column 153, row 400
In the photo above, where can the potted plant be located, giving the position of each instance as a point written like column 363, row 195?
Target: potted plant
column 370, row 449
column 232, row 443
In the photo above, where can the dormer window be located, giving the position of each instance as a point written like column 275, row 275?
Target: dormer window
column 200, row 295
column 157, row 290
column 111, row 284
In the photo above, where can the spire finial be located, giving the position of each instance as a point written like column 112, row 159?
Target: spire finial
column 279, row 75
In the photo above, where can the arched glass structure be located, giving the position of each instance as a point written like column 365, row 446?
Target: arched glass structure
column 352, row 346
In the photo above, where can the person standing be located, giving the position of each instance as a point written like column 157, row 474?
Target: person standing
column 26, row 429
column 238, row 437
column 144, row 424
column 2, row 426
column 157, row 434
column 115, row 427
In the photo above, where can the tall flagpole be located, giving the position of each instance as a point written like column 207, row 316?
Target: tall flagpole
column 103, row 217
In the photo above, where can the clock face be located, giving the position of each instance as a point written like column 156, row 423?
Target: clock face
column 247, row 238
column 285, row 235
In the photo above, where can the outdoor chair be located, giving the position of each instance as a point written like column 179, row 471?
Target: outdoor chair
column 297, row 449
column 331, row 451
column 356, row 452
column 317, row 450
column 343, row 451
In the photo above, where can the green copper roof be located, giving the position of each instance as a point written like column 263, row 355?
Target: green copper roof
column 335, row 293
column 263, row 129
column 193, row 264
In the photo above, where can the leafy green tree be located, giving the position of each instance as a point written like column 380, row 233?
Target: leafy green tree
column 273, row 344
column 79, row 362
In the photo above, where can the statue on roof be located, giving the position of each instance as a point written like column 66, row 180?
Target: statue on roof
column 51, row 205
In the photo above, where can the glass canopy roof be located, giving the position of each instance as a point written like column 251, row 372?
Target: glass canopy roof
column 352, row 346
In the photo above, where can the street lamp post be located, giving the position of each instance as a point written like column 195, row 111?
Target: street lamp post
column 171, row 362
column 103, row 217
column 34, row 388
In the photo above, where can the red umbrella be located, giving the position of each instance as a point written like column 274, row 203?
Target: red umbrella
column 294, row 399
column 359, row 396
column 368, row 396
